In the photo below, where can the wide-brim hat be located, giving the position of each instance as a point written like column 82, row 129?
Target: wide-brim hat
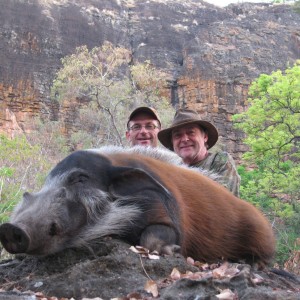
column 147, row 110
column 185, row 117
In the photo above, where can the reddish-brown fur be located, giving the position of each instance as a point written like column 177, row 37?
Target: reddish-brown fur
column 142, row 200
column 215, row 223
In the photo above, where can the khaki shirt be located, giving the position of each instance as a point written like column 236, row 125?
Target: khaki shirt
column 223, row 165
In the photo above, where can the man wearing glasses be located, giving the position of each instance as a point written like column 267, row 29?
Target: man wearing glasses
column 143, row 126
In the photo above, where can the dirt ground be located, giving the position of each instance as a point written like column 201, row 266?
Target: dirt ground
column 113, row 270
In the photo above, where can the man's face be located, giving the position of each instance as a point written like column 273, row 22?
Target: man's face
column 143, row 130
column 189, row 143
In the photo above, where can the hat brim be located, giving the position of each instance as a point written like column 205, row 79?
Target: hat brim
column 165, row 135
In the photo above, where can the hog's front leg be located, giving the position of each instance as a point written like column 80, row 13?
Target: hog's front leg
column 160, row 238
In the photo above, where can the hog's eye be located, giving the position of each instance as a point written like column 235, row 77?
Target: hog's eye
column 53, row 229
column 27, row 196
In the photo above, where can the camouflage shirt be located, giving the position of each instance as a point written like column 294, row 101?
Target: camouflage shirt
column 223, row 165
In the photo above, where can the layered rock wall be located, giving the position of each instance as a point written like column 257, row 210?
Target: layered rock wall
column 211, row 54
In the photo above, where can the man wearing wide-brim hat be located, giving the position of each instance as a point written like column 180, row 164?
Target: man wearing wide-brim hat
column 191, row 138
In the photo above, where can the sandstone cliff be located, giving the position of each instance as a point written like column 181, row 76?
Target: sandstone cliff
column 211, row 54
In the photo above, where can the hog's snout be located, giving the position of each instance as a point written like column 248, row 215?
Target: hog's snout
column 13, row 238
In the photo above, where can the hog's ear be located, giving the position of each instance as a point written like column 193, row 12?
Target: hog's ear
column 128, row 181
column 77, row 177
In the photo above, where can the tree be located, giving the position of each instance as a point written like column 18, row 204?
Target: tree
column 272, row 127
column 105, row 79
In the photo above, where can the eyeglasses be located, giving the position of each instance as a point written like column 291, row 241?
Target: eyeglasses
column 138, row 127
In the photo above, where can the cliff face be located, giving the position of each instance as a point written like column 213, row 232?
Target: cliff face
column 211, row 54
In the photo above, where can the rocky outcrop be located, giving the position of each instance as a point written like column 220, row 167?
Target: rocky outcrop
column 210, row 53
column 231, row 53
column 113, row 271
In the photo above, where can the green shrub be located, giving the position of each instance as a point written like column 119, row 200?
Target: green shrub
column 284, row 215
column 25, row 162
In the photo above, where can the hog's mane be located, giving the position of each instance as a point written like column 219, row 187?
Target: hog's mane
column 161, row 154
column 157, row 153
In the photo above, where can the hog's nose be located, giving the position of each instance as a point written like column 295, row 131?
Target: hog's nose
column 13, row 238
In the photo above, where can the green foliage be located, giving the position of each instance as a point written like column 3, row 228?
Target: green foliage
column 111, row 87
column 25, row 161
column 286, row 243
column 14, row 153
column 296, row 6
column 272, row 127
column 253, row 188
column 284, row 214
